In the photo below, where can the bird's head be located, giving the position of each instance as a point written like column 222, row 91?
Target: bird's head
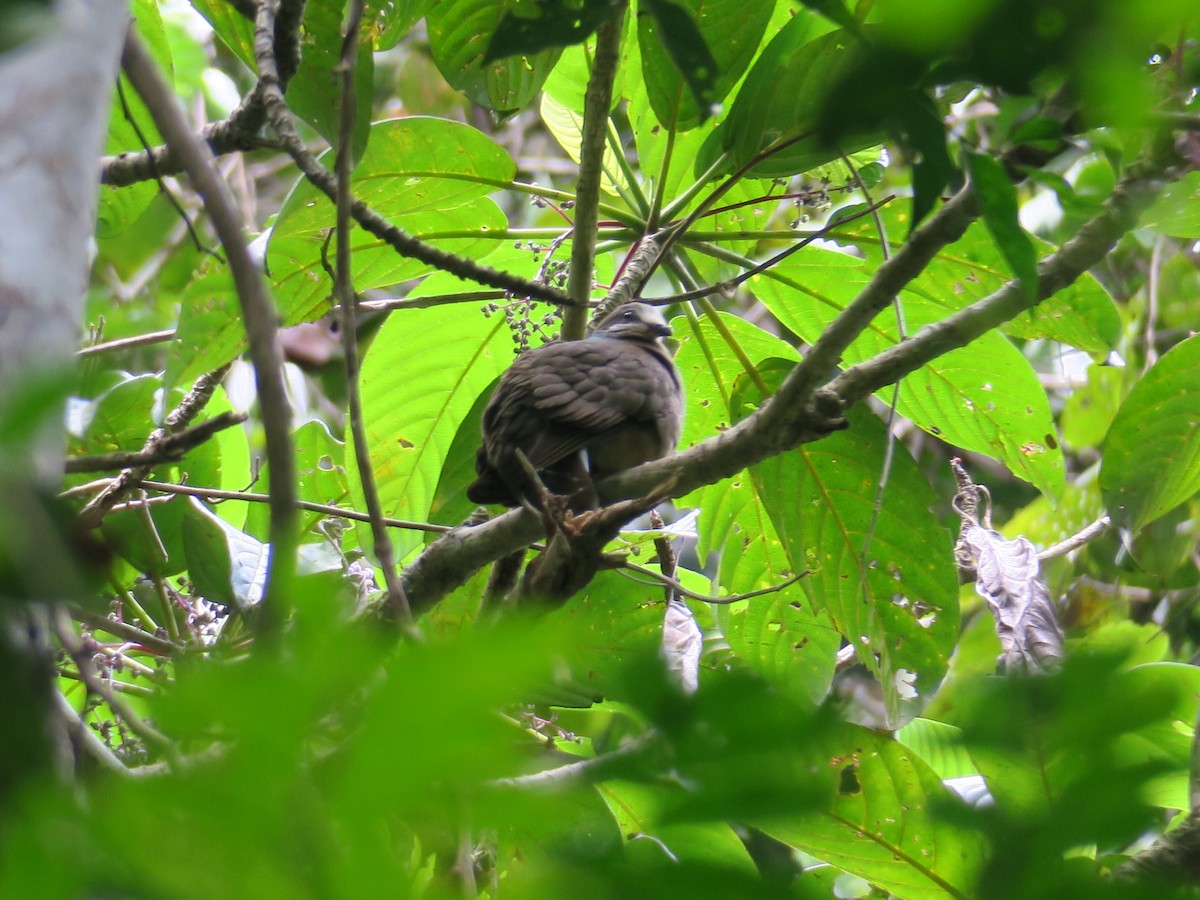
column 634, row 322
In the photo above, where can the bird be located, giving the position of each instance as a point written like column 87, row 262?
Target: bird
column 581, row 410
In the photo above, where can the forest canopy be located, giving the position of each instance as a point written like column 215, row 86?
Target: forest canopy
column 911, row 609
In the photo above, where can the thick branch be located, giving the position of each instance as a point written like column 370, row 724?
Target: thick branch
column 1086, row 249
column 237, row 133
column 791, row 418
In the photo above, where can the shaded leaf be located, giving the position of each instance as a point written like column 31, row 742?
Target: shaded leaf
column 1152, row 453
column 783, row 97
column 883, row 823
column 558, row 24
column 693, row 52
column 227, row 566
column 460, row 35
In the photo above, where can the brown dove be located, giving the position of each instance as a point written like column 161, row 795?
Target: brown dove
column 581, row 410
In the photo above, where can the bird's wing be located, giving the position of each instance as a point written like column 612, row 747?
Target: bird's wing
column 573, row 392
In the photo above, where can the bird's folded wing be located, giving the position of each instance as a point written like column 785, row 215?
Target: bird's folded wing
column 583, row 390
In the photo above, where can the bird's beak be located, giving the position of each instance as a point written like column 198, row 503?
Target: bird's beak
column 663, row 330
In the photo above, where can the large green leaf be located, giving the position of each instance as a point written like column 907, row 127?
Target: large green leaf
column 428, row 176
column 889, row 582
column 778, row 634
column 1152, row 453
column 983, row 397
column 460, row 34
column 883, row 823
column 420, row 379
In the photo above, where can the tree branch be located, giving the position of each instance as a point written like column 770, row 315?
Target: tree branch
column 258, row 312
column 1086, row 249
column 596, row 104
column 281, row 119
column 397, row 600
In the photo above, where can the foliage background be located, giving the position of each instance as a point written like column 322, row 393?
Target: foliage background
column 314, row 751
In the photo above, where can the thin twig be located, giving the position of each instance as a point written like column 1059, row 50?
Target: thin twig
column 674, row 585
column 138, row 340
column 86, row 739
column 158, row 176
column 216, row 494
column 82, row 657
column 737, row 280
column 397, row 600
column 586, row 771
column 124, row 631
column 258, row 312
column 1075, row 541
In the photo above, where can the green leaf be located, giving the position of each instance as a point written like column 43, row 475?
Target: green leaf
column 226, row 566
column 388, row 21
column 939, row 745
column 834, row 10
column 314, row 94
column 780, row 635
column 559, row 24
column 1176, row 211
column 694, row 51
column 983, row 397
column 883, row 823
column 132, row 128
column 320, row 478
column 638, row 810
column 567, row 128
column 998, row 204
column 420, row 379
column 210, row 331
column 428, row 176
column 783, row 98
column 1151, row 460
column 460, row 35
column 922, row 132
column 233, row 29
column 1090, row 408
